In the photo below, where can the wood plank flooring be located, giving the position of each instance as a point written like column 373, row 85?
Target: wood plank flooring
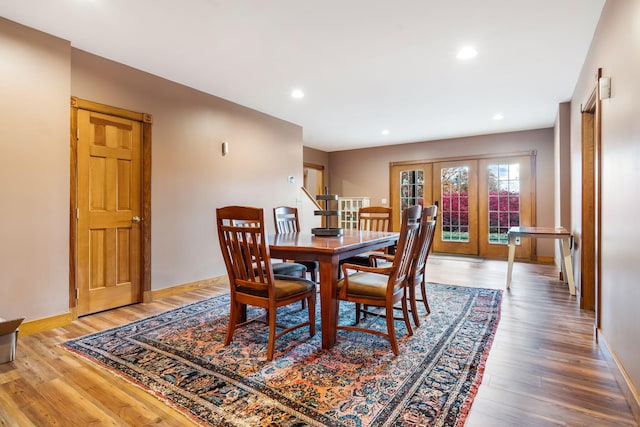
column 544, row 369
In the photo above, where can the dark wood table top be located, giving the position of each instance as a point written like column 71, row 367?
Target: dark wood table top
column 349, row 241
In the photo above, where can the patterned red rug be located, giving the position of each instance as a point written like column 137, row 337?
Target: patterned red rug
column 179, row 357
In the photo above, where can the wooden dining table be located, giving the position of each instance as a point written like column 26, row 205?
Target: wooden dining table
column 328, row 251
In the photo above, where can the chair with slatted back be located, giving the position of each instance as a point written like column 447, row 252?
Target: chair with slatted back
column 251, row 277
column 294, row 269
column 417, row 276
column 375, row 218
column 417, row 271
column 383, row 286
column 286, row 220
column 371, row 218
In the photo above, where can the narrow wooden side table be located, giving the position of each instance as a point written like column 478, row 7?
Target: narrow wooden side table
column 559, row 233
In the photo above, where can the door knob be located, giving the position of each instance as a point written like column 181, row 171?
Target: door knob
column 136, row 219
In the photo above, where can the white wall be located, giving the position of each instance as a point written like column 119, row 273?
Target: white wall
column 190, row 177
column 365, row 172
column 615, row 49
column 34, row 173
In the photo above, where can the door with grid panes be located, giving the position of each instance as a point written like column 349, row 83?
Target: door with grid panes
column 456, row 186
column 479, row 199
column 411, row 184
column 505, row 201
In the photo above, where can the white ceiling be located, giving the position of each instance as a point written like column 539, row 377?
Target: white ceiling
column 364, row 65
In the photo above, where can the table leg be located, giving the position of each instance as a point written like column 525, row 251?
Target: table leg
column 512, row 254
column 567, row 267
column 328, row 301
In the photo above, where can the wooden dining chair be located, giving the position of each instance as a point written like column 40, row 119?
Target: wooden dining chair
column 383, row 286
column 286, row 220
column 371, row 218
column 417, row 270
column 251, row 277
column 375, row 218
column 287, row 268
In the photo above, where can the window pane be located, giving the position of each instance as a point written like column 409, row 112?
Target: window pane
column 411, row 188
column 455, row 204
column 504, row 200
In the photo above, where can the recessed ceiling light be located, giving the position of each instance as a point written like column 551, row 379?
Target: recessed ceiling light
column 385, row 131
column 466, row 53
column 297, row 93
column 498, row 116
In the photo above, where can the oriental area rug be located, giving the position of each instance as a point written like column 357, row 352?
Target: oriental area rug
column 179, row 357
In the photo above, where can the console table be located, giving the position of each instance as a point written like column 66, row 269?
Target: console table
column 559, row 233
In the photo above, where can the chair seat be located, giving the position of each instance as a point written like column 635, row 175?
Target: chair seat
column 284, row 286
column 286, row 220
column 364, row 284
column 309, row 264
column 362, row 259
column 289, row 269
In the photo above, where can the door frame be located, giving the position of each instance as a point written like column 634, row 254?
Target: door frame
column 320, row 184
column 591, row 204
column 146, row 121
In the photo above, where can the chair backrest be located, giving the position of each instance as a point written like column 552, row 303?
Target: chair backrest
column 374, row 218
column 424, row 243
column 409, row 232
column 286, row 219
column 243, row 243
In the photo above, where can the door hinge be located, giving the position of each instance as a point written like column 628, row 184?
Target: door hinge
column 78, row 214
column 77, row 294
column 78, row 134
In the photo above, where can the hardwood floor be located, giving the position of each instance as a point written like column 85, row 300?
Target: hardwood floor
column 544, row 369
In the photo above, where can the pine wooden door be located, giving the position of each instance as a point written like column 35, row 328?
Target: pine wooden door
column 109, row 199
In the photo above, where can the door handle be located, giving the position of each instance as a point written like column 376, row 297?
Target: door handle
column 136, row 219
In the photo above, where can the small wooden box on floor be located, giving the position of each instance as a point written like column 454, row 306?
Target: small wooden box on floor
column 8, row 339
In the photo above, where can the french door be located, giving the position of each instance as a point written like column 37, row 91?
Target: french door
column 479, row 199
column 506, row 189
column 456, row 186
column 410, row 185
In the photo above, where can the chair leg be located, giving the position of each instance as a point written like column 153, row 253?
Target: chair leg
column 234, row 311
column 391, row 331
column 414, row 307
column 312, row 314
column 423, row 289
column 272, row 333
column 405, row 315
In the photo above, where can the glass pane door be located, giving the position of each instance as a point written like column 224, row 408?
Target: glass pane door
column 410, row 185
column 411, row 188
column 503, row 180
column 505, row 201
column 456, row 185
